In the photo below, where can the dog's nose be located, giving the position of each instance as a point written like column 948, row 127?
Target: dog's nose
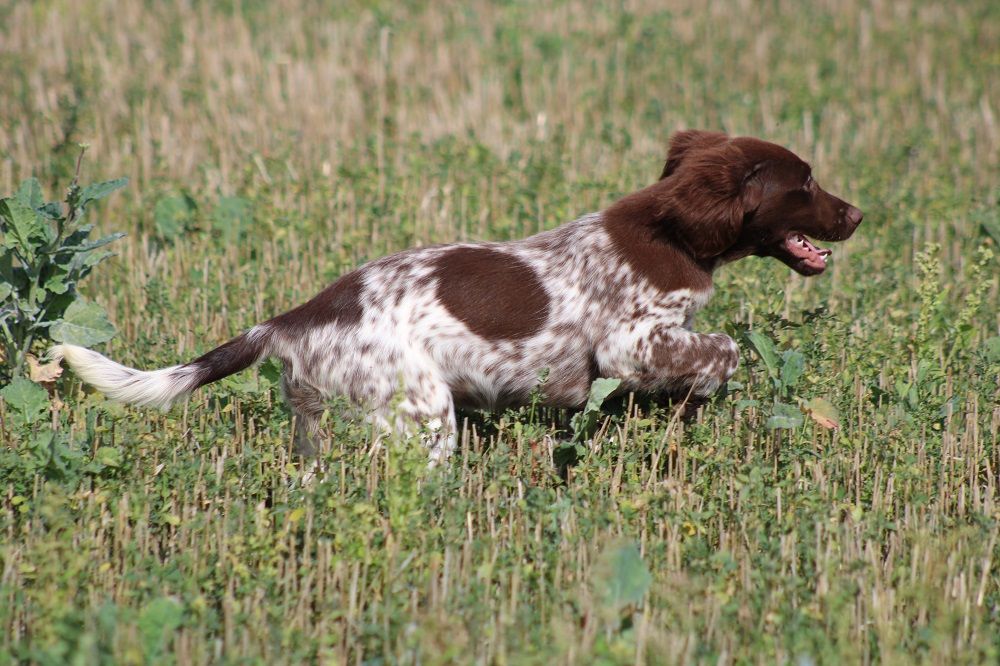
column 854, row 216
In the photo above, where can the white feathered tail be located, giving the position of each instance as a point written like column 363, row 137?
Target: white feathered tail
column 160, row 388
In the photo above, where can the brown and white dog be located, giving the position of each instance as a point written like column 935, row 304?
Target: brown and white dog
column 612, row 294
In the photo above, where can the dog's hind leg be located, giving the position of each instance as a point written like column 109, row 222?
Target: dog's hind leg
column 427, row 410
column 307, row 409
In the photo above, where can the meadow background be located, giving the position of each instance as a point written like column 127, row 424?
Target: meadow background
column 274, row 145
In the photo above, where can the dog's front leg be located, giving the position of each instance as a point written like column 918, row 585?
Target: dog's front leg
column 674, row 361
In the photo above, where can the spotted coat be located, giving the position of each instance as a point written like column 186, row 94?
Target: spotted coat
column 572, row 310
column 410, row 336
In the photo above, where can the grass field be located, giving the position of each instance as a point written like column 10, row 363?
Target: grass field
column 272, row 146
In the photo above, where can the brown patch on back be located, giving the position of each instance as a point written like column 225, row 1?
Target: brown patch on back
column 339, row 303
column 496, row 295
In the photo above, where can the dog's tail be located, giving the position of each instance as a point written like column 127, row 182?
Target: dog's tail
column 160, row 388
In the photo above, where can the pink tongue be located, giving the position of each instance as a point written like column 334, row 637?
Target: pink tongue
column 800, row 247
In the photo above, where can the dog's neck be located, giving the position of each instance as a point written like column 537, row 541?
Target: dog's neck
column 640, row 236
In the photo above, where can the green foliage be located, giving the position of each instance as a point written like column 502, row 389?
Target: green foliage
column 84, row 324
column 231, row 216
column 584, row 422
column 621, row 578
column 865, row 529
column 227, row 219
column 45, row 252
column 173, row 216
column 785, row 371
column 158, row 620
column 26, row 398
column 784, row 416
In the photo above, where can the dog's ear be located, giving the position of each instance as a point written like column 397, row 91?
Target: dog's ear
column 687, row 142
column 707, row 197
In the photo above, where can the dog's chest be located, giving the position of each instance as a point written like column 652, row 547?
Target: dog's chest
column 653, row 307
column 699, row 299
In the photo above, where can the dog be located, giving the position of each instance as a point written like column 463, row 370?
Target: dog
column 410, row 336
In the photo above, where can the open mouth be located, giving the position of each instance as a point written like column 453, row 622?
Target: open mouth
column 805, row 257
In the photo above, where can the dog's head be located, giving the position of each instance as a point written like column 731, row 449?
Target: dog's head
column 726, row 198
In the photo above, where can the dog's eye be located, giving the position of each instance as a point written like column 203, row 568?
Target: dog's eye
column 808, row 185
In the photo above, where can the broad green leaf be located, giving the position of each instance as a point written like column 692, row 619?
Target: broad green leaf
column 21, row 227
column 52, row 210
column 108, row 456
column 26, row 398
column 57, row 279
column 107, row 618
column 991, row 348
column 28, row 307
column 620, row 576
column 583, row 422
column 600, row 389
column 823, row 412
column 84, row 262
column 785, row 417
column 79, row 235
column 989, row 222
column 56, row 307
column 100, row 190
column 231, row 215
column 950, row 407
column 84, row 324
column 7, row 266
column 793, row 363
column 765, row 349
column 91, row 259
column 30, row 193
column 36, row 295
column 40, row 446
column 270, row 371
column 160, row 618
column 173, row 215
column 92, row 245
column 56, row 285
column 6, row 289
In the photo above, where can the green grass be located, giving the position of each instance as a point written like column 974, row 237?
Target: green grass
column 291, row 142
